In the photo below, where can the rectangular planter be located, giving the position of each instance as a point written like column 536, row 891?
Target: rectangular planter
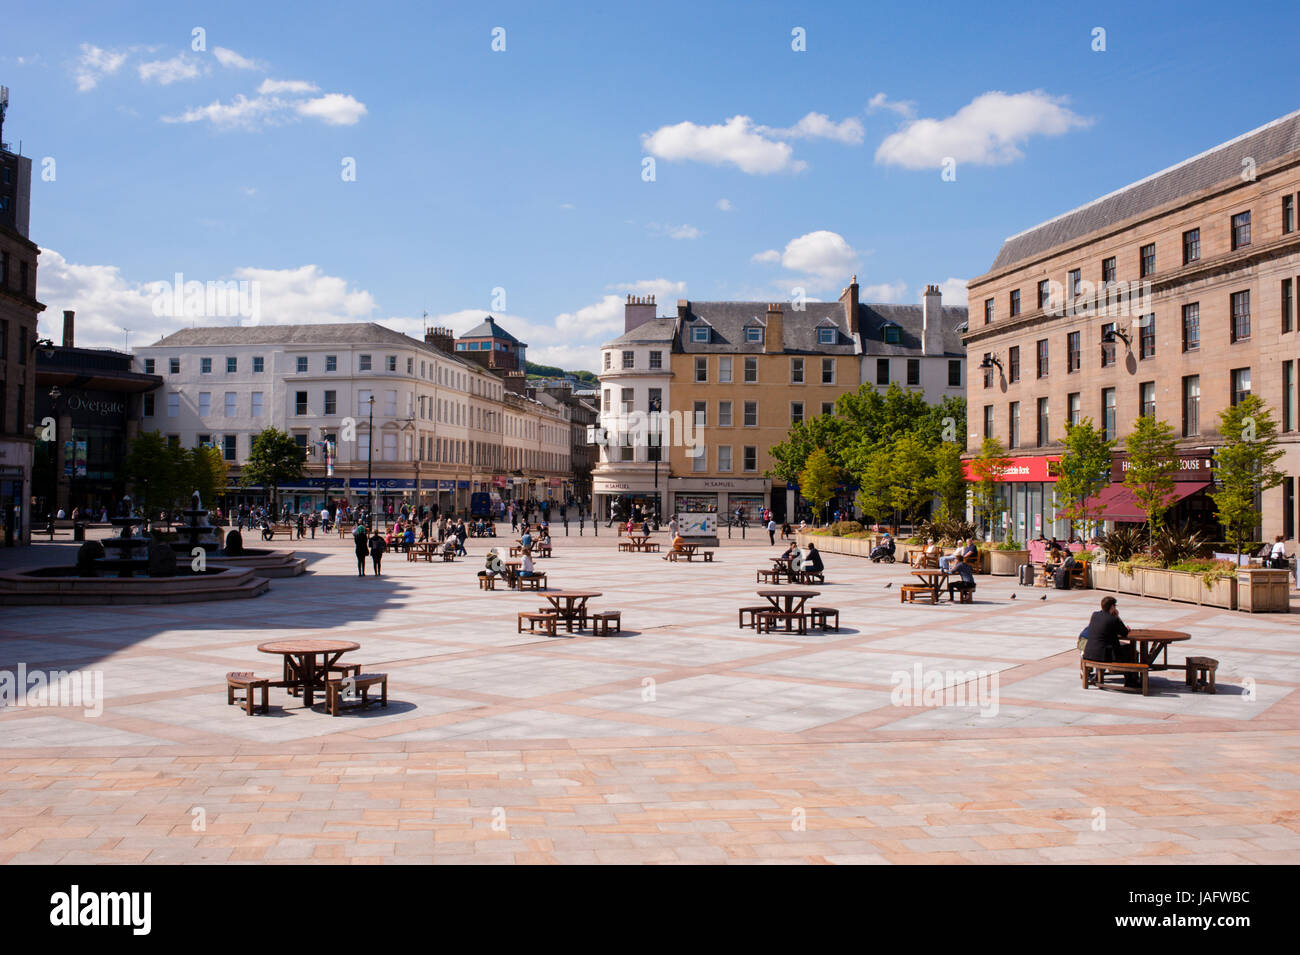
column 1104, row 576
column 1263, row 590
column 1006, row 563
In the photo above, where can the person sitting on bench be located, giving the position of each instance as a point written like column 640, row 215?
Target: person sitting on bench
column 965, row 582
column 945, row 563
column 677, row 546
column 1105, row 629
column 884, row 549
column 526, row 568
column 812, row 561
column 1062, row 573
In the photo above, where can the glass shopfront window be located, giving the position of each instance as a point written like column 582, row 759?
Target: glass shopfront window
column 752, row 503
column 696, row 503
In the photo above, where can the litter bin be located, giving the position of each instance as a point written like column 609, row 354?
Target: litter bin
column 79, row 531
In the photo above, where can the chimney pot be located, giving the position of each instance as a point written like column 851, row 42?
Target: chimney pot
column 69, row 322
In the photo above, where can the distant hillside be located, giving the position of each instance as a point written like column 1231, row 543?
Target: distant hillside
column 551, row 371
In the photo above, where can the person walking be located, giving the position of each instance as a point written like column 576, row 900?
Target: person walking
column 771, row 531
column 377, row 548
column 359, row 542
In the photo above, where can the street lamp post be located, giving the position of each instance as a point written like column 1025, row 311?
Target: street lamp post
column 370, row 459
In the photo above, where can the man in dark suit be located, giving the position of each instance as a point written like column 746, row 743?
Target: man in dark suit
column 1105, row 629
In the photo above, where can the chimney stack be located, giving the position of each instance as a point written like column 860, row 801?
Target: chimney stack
column 849, row 299
column 69, row 317
column 774, row 340
column 932, row 321
column 441, row 338
column 637, row 311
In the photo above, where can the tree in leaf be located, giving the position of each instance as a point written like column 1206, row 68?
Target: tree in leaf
column 911, row 485
column 1244, row 466
column 150, row 469
column 818, row 479
column 790, row 456
column 1152, row 463
column 1083, row 471
column 986, row 470
column 274, row 459
column 874, row 479
column 208, row 474
column 950, row 480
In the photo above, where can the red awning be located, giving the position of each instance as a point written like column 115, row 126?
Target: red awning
column 1116, row 503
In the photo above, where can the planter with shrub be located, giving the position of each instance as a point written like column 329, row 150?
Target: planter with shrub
column 1006, row 559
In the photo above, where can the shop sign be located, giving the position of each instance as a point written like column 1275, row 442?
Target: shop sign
column 1026, row 470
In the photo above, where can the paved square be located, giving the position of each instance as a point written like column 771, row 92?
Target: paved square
column 682, row 739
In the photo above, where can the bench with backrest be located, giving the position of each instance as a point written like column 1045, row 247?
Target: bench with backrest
column 342, row 694
column 1094, row 672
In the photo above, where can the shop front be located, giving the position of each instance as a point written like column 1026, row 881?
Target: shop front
column 719, row 496
column 1026, row 486
column 633, row 494
column 15, row 491
column 1189, row 504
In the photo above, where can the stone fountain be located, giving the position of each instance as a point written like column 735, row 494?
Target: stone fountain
column 197, row 529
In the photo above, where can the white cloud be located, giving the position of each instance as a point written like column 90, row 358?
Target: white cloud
column 664, row 290
column 953, row 291
column 232, row 60
column 988, row 130
column 736, row 142
column 94, row 64
column 270, row 87
column 335, row 109
column 884, row 293
column 166, row 72
column 675, row 231
column 823, row 255
column 820, row 126
column 905, row 108
column 725, row 205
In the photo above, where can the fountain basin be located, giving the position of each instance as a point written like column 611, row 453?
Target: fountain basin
column 263, row 562
column 61, row 586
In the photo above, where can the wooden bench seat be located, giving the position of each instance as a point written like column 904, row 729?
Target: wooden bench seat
column 337, row 692
column 546, row 619
column 751, row 611
column 820, row 618
column 605, row 622
column 1095, row 670
column 248, row 682
column 532, row 582
column 766, row 621
column 910, row 593
column 487, row 583
column 1200, row 673
column 765, row 575
column 808, row 577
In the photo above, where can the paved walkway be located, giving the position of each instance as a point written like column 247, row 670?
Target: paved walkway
column 685, row 739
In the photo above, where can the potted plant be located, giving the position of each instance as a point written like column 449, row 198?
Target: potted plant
column 1006, row 558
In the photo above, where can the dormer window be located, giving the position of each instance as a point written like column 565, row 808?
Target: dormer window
column 889, row 334
column 754, row 334
column 700, row 333
column 826, row 336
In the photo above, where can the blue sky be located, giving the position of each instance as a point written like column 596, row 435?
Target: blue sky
column 522, row 170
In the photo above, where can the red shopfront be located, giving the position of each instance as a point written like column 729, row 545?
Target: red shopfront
column 1026, row 485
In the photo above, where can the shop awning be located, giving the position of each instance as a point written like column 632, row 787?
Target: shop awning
column 1116, row 503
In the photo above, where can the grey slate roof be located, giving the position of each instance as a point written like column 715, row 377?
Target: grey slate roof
column 488, row 328
column 799, row 329
column 908, row 318
column 325, row 333
column 1271, row 141
column 658, row 331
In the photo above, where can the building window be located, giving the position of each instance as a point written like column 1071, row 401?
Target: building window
column 1191, row 406
column 258, row 365
column 1013, row 364
column 390, row 405
column 390, row 363
column 988, row 421
column 205, row 366
column 700, row 334
column 1044, row 293
column 1241, row 316
column 796, row 371
column 1288, row 395
column 751, row 458
column 724, row 457
column 148, row 408
column 1240, row 384
column 1107, row 344
column 1013, row 425
column 332, row 402
column 1147, row 261
column 724, row 370
column 232, row 365
column 1108, row 270
column 228, row 446
column 332, row 363
column 1241, row 230
column 988, row 310
column 1287, row 305
column 256, row 409
column 1073, row 352
column 1073, row 408
column 1191, row 246
column 232, row 404
column 828, row 407
column 700, row 459
column 701, row 368
column 826, row 336
column 629, row 359
column 751, row 414
column 300, row 402
column 828, row 371
column 173, row 366
column 1042, row 368
column 1147, row 336
column 701, row 413
column 796, row 412
column 1147, row 399
column 724, row 414
column 882, row 371
column 753, row 334
column 889, row 333
column 913, row 371
column 1076, row 281
column 1288, row 214
column 654, row 399
column 1108, row 413
column 1044, row 424
column 1192, row 326
column 656, row 360
column 609, row 359
column 1015, row 302
column 751, row 370
column 148, row 363
column 363, row 363
column 954, row 373
column 203, row 440
column 987, row 367
column 205, row 404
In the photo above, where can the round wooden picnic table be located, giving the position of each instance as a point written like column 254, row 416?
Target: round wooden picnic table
column 575, row 604
column 1150, row 644
column 785, row 600
column 300, row 660
column 933, row 578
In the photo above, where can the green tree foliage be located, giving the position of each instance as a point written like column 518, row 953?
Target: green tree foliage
column 818, row 479
column 1152, row 461
column 825, row 432
column 1245, row 466
column 1083, row 471
column 164, row 475
column 911, row 485
column 274, row 459
column 950, row 480
column 986, row 469
column 874, row 480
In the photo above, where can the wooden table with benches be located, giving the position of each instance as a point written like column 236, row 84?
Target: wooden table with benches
column 1151, row 649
